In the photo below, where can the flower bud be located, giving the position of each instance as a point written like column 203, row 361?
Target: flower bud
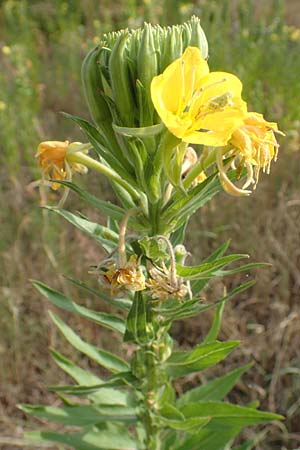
column 122, row 91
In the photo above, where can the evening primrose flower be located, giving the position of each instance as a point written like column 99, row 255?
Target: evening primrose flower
column 254, row 146
column 196, row 105
column 163, row 286
column 56, row 159
column 129, row 277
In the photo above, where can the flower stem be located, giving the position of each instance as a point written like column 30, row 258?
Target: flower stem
column 91, row 163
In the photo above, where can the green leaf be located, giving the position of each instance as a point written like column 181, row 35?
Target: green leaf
column 136, row 324
column 107, row 208
column 91, row 440
column 198, row 285
column 107, row 238
column 154, row 248
column 82, row 415
column 123, row 379
column 179, row 311
column 181, row 206
column 177, row 237
column 117, row 162
column 103, row 358
column 215, row 389
column 171, row 417
column 121, row 303
column 106, row 320
column 182, row 363
column 225, row 414
column 247, row 445
column 139, row 132
column 216, row 325
column 208, row 439
column 106, row 396
column 77, row 373
column 207, row 269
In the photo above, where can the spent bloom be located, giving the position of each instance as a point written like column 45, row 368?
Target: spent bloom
column 254, row 146
column 163, row 285
column 196, row 105
column 57, row 162
column 129, row 277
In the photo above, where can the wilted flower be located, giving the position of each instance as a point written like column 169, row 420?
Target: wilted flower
column 129, row 277
column 254, row 146
column 196, row 105
column 163, row 286
column 55, row 161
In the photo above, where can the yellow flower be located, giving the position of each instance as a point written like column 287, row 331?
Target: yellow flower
column 54, row 160
column 6, row 50
column 196, row 105
column 254, row 146
column 256, row 143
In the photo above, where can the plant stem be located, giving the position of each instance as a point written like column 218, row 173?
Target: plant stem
column 91, row 163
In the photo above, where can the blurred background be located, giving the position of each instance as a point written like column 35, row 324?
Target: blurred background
column 42, row 45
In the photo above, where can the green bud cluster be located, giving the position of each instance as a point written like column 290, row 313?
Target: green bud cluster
column 117, row 74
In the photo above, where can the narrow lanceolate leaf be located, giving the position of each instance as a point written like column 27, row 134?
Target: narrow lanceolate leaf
column 198, row 285
column 216, row 325
column 136, row 321
column 108, row 396
column 171, row 417
column 215, row 389
column 118, row 439
column 82, row 415
column 121, row 303
column 179, row 311
column 107, row 208
column 107, row 238
column 61, row 301
column 207, row 439
column 77, row 373
column 226, row 414
column 247, row 445
column 104, row 358
column 182, row 363
column 207, row 269
column 123, row 379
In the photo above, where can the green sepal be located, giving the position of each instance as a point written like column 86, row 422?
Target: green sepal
column 140, row 132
